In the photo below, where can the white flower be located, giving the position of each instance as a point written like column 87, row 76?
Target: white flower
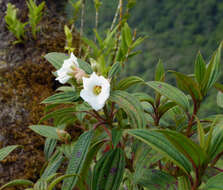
column 68, row 67
column 96, row 91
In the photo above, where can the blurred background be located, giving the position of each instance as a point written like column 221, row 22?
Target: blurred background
column 176, row 31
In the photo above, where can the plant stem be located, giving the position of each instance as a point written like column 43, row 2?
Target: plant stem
column 118, row 33
column 82, row 23
column 191, row 119
column 96, row 22
column 82, row 17
column 115, row 17
column 217, row 158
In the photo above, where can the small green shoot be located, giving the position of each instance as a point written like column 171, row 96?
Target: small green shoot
column 14, row 24
column 35, row 15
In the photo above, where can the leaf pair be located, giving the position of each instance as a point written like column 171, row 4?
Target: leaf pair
column 207, row 76
column 175, row 146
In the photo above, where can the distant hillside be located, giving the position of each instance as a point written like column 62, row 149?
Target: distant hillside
column 177, row 30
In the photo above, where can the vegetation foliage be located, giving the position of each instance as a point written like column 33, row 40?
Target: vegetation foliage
column 17, row 27
column 137, row 140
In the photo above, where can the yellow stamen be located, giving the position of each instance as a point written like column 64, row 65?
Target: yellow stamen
column 97, row 90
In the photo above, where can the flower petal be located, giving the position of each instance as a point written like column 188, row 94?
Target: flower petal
column 97, row 102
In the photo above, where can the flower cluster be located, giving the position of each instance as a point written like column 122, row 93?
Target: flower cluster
column 96, row 89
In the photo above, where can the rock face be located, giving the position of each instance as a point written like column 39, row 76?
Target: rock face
column 25, row 80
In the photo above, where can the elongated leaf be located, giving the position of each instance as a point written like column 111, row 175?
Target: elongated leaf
column 138, row 41
column 183, row 183
column 186, row 146
column 127, row 34
column 92, row 153
column 216, row 142
column 53, row 165
column 77, row 160
column 171, row 93
column 66, row 88
column 215, row 183
column 114, row 70
column 63, row 97
column 160, row 72
column 49, row 147
column 131, row 106
column 155, row 179
column 50, row 132
column 51, row 177
column 6, row 151
column 219, row 86
column 85, row 66
column 67, row 149
column 220, row 99
column 109, row 170
column 160, row 143
column 212, row 72
column 188, row 85
column 200, row 68
column 59, row 114
column 200, row 133
column 129, row 81
column 116, row 136
column 17, row 182
column 59, row 179
column 165, row 107
column 143, row 97
column 56, row 59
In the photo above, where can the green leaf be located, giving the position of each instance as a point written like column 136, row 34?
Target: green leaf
column 160, row 72
column 115, row 69
column 155, row 179
column 56, row 59
column 186, row 146
column 143, row 97
column 59, row 179
column 216, row 140
column 60, row 114
column 200, row 68
column 215, row 183
column 138, row 41
column 127, row 34
column 67, row 149
column 63, row 97
column 109, row 170
column 212, row 72
column 129, row 81
column 219, row 87
column 50, row 132
column 16, row 182
column 165, row 107
column 116, row 136
column 51, row 177
column 92, row 153
column 183, row 183
column 160, row 143
column 131, row 106
column 77, row 160
column 85, row 66
column 66, row 88
column 188, row 85
column 220, row 99
column 171, row 93
column 200, row 133
column 53, row 165
column 41, row 184
column 49, row 147
column 6, row 151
